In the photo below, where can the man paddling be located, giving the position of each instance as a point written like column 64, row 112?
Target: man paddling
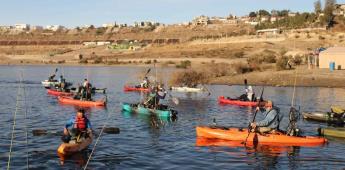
column 271, row 121
column 145, row 83
column 155, row 96
column 248, row 96
column 80, row 128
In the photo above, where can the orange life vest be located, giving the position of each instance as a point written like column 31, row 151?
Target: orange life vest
column 80, row 123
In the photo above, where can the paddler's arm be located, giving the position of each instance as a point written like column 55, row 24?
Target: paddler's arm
column 68, row 124
column 89, row 127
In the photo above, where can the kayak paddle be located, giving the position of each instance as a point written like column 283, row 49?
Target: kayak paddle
column 148, row 71
column 249, row 127
column 43, row 132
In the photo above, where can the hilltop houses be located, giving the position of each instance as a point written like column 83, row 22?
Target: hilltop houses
column 55, row 27
column 339, row 10
column 201, row 20
column 22, row 27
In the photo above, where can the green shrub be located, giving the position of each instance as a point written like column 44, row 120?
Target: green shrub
column 97, row 60
column 241, row 68
column 61, row 61
column 170, row 62
column 184, row 64
column 239, row 54
column 281, row 63
column 83, row 61
column 148, row 62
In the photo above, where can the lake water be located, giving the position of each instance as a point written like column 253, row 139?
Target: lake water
column 147, row 142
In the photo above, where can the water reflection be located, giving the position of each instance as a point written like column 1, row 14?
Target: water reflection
column 260, row 156
column 152, row 120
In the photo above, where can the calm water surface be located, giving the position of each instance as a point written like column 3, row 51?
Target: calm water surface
column 147, row 142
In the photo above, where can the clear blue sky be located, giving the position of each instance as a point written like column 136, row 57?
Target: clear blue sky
column 85, row 12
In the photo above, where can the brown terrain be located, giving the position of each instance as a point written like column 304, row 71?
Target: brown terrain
column 168, row 46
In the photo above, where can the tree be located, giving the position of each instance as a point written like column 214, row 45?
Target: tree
column 283, row 13
column 263, row 12
column 252, row 15
column 317, row 7
column 328, row 12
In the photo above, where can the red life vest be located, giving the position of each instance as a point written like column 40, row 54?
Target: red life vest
column 80, row 123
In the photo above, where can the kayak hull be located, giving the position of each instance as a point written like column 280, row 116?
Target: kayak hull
column 223, row 100
column 187, row 89
column 69, row 148
column 83, row 103
column 236, row 134
column 129, row 89
column 333, row 132
column 323, row 117
column 58, row 93
column 142, row 110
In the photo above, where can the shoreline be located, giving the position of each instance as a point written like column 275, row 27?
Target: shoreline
column 305, row 78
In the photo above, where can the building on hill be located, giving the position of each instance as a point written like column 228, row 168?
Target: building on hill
column 201, row 20
column 339, row 10
column 334, row 55
column 55, row 27
column 109, row 25
column 22, row 26
column 5, row 28
column 36, row 28
column 268, row 32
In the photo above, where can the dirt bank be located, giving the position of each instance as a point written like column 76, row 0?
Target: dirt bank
column 305, row 77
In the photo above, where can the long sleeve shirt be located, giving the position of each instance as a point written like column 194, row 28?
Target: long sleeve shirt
column 271, row 119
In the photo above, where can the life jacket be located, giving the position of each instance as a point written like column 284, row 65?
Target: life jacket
column 80, row 123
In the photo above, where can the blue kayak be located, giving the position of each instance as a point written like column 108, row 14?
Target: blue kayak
column 140, row 109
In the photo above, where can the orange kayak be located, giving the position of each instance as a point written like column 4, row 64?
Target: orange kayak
column 128, row 88
column 223, row 100
column 58, row 93
column 70, row 148
column 69, row 100
column 236, row 134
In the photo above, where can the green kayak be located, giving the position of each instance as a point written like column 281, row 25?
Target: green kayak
column 327, row 117
column 334, row 132
column 163, row 111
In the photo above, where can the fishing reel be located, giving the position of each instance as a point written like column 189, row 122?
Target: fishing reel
column 294, row 116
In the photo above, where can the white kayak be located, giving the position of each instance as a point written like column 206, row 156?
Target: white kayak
column 187, row 89
column 48, row 84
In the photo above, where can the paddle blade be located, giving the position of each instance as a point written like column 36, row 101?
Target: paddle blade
column 111, row 130
column 175, row 100
column 148, row 71
column 39, row 132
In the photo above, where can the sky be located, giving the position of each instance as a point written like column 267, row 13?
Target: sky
column 73, row 13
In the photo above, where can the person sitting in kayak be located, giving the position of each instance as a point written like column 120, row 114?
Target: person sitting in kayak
column 80, row 128
column 248, row 96
column 78, row 93
column 271, row 121
column 155, row 96
column 145, row 83
column 62, row 83
column 86, row 90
